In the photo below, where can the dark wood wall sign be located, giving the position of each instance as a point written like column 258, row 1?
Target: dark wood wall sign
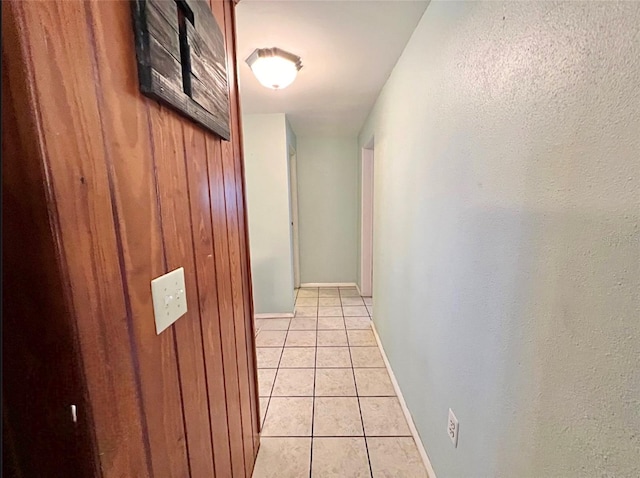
column 182, row 61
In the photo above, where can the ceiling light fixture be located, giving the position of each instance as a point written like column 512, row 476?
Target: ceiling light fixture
column 273, row 67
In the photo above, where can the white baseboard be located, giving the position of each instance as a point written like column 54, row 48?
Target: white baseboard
column 329, row 284
column 403, row 404
column 282, row 315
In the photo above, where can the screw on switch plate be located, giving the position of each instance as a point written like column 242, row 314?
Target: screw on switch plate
column 452, row 428
column 169, row 298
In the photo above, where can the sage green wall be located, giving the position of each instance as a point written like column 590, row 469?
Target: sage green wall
column 328, row 208
column 507, row 235
column 267, row 181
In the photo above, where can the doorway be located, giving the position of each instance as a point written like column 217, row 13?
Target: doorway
column 293, row 190
column 366, row 221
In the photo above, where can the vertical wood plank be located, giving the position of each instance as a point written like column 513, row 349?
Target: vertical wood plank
column 169, row 150
column 238, row 305
column 70, row 137
column 200, row 208
column 228, row 324
column 237, row 301
column 236, row 131
column 225, row 303
column 244, row 347
column 39, row 335
column 128, row 151
column 230, row 184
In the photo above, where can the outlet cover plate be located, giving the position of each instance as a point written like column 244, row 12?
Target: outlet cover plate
column 169, row 298
column 452, row 428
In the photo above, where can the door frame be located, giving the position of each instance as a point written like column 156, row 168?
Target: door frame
column 366, row 219
column 295, row 229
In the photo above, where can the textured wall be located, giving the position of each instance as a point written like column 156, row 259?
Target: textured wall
column 507, row 240
column 267, row 175
column 328, row 209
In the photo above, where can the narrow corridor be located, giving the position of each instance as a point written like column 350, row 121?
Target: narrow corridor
column 327, row 403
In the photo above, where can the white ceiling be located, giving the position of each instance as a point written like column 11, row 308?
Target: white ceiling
column 348, row 49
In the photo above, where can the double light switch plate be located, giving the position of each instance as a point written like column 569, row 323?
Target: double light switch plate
column 169, row 298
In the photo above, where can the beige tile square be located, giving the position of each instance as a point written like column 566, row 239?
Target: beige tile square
column 382, row 416
column 283, row 458
column 366, row 357
column 327, row 357
column 340, row 458
column 328, row 292
column 294, row 382
column 301, row 338
column 266, row 377
column 273, row 324
column 306, row 293
column 268, row 357
column 352, row 301
column 307, row 312
column 329, row 302
column 349, row 292
column 370, row 310
column 357, row 322
column 270, row 338
column 307, row 302
column 330, row 311
column 335, row 382
column 264, row 402
column 336, row 416
column 288, row 416
column 368, row 300
column 332, row 338
column 395, row 457
column 361, row 338
column 373, row 382
column 330, row 323
column 357, row 311
column 298, row 357
column 303, row 323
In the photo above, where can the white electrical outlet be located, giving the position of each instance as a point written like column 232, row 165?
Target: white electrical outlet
column 452, row 428
column 169, row 298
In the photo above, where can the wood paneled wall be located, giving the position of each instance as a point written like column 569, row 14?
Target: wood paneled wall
column 132, row 190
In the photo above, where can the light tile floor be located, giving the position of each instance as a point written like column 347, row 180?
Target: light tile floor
column 327, row 404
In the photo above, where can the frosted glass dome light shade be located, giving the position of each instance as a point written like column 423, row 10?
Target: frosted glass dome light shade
column 273, row 67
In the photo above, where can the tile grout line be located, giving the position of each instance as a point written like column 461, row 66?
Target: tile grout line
column 266, row 410
column 364, row 435
column 313, row 400
column 340, row 436
column 321, row 346
column 315, row 368
column 334, row 396
column 291, row 327
column 329, row 368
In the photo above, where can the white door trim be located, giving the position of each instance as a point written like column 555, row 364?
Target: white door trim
column 295, row 233
column 366, row 223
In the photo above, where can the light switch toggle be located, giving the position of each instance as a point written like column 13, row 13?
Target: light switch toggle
column 169, row 298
